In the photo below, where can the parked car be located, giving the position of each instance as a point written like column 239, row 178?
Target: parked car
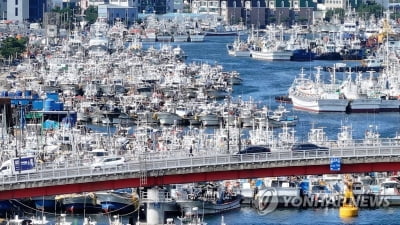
column 308, row 147
column 109, row 162
column 254, row 149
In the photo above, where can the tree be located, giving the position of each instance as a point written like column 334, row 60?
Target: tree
column 12, row 47
column 369, row 9
column 66, row 15
column 330, row 13
column 91, row 14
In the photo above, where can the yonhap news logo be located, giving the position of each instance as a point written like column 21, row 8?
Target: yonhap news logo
column 268, row 200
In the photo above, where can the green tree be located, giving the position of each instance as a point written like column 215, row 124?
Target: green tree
column 332, row 12
column 372, row 8
column 12, row 47
column 66, row 15
column 91, row 14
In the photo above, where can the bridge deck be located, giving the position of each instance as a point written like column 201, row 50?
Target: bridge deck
column 78, row 176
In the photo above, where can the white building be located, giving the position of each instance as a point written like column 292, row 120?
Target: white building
column 126, row 3
column 96, row 3
column 17, row 10
column 206, row 7
column 334, row 4
column 113, row 12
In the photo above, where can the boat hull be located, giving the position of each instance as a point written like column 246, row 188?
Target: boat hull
column 196, row 37
column 81, row 204
column 365, row 105
column 389, row 105
column 117, row 202
column 208, row 208
column 272, row 55
column 47, row 204
column 319, row 105
column 239, row 53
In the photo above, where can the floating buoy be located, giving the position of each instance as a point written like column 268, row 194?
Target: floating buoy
column 347, row 211
column 349, row 207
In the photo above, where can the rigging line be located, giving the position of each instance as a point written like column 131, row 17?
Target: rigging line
column 111, row 212
column 34, row 209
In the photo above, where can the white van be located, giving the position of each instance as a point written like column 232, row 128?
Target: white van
column 108, row 162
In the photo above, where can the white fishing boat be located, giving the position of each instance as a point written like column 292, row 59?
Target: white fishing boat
column 238, row 48
column 345, row 136
column 168, row 118
column 363, row 94
column 209, row 118
column 180, row 36
column 210, row 200
column 271, row 51
column 192, row 218
column 315, row 96
column 275, row 191
column 390, row 192
column 196, row 35
column 271, row 48
column 280, row 117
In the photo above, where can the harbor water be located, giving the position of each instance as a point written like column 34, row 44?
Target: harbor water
column 249, row 216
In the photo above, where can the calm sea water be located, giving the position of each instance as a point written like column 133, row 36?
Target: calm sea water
column 262, row 82
column 248, row 216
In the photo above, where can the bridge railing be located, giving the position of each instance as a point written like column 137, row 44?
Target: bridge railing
column 82, row 168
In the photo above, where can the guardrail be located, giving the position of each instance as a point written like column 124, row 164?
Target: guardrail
column 81, row 168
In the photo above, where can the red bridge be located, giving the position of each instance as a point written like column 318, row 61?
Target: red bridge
column 75, row 177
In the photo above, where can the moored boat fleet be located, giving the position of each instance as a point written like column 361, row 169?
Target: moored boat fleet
column 104, row 80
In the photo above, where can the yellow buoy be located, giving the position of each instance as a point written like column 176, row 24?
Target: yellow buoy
column 348, row 211
column 349, row 207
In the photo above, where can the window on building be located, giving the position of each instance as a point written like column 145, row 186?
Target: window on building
column 16, row 2
column 16, row 11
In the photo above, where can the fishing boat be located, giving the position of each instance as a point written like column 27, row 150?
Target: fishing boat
column 238, row 48
column 274, row 191
column 390, row 192
column 46, row 203
column 210, row 200
column 363, row 94
column 42, row 220
column 316, row 96
column 6, row 207
column 80, row 203
column 221, row 30
column 120, row 202
column 180, row 36
column 271, row 51
column 279, row 117
column 192, row 218
column 196, row 35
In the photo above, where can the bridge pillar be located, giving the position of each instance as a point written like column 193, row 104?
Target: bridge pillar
column 155, row 207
